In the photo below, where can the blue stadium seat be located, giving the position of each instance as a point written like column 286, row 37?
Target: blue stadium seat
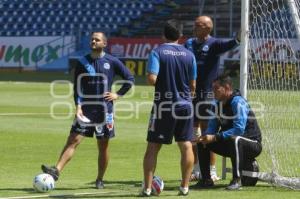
column 22, row 6
column 18, row 33
column 74, row 19
column 97, row 5
column 121, row 12
column 44, row 17
column 57, row 19
column 34, row 5
column 124, row 21
column 49, row 19
column 9, row 33
column 78, row 5
column 79, row 13
column 69, row 6
column 5, row 26
column 84, row 19
column 24, row 13
column 36, row 33
column 10, row 19
column 44, row 26
column 28, row 26
column 27, row 33
column 14, row 13
column 80, row 26
column 53, row 26
column 70, row 13
column 87, row 5
column 88, row 13
column 29, row 19
column 105, row 13
column 148, row 7
column 15, row 26
column 34, row 26
column 40, row 5
column 45, row 33
column 11, row 6
column 93, row 19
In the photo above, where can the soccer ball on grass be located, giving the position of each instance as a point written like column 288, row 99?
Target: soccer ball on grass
column 43, row 182
column 157, row 185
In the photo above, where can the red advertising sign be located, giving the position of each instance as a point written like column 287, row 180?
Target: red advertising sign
column 132, row 47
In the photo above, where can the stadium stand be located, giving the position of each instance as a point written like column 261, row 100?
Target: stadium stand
column 59, row 18
column 127, row 18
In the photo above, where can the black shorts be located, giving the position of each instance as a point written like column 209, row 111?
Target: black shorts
column 102, row 125
column 161, row 130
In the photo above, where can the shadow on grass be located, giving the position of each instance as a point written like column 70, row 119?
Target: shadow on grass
column 31, row 190
column 34, row 76
column 98, row 195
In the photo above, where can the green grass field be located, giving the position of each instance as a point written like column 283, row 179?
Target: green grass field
column 30, row 136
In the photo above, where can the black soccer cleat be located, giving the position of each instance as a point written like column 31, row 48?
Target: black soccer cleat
column 53, row 171
column 203, row 184
column 235, row 184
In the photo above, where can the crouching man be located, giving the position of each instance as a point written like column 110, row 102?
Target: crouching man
column 232, row 132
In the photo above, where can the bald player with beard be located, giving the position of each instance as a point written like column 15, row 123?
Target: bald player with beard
column 207, row 51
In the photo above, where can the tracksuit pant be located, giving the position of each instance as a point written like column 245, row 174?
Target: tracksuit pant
column 240, row 150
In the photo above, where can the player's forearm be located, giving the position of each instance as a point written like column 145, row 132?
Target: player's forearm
column 193, row 87
column 125, row 87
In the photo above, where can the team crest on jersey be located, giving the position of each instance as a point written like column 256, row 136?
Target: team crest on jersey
column 205, row 48
column 106, row 66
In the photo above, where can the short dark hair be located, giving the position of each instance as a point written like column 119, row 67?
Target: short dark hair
column 173, row 29
column 103, row 34
column 223, row 80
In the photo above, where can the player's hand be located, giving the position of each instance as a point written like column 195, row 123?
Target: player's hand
column 206, row 139
column 109, row 96
column 79, row 113
column 196, row 139
column 80, row 116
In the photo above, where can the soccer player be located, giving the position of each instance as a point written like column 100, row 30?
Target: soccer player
column 232, row 132
column 172, row 70
column 207, row 50
column 94, row 104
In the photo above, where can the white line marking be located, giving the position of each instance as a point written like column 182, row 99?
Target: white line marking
column 21, row 114
column 60, row 195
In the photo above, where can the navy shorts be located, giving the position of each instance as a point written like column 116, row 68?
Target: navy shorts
column 202, row 108
column 179, row 125
column 102, row 125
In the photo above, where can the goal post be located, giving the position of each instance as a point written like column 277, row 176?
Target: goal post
column 244, row 47
column 294, row 9
column 270, row 80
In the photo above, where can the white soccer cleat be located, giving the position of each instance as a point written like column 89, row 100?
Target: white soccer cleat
column 213, row 174
column 195, row 176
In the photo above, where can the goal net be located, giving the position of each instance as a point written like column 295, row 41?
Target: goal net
column 273, row 86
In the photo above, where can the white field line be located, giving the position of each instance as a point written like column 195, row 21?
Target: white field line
column 61, row 195
column 21, row 114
